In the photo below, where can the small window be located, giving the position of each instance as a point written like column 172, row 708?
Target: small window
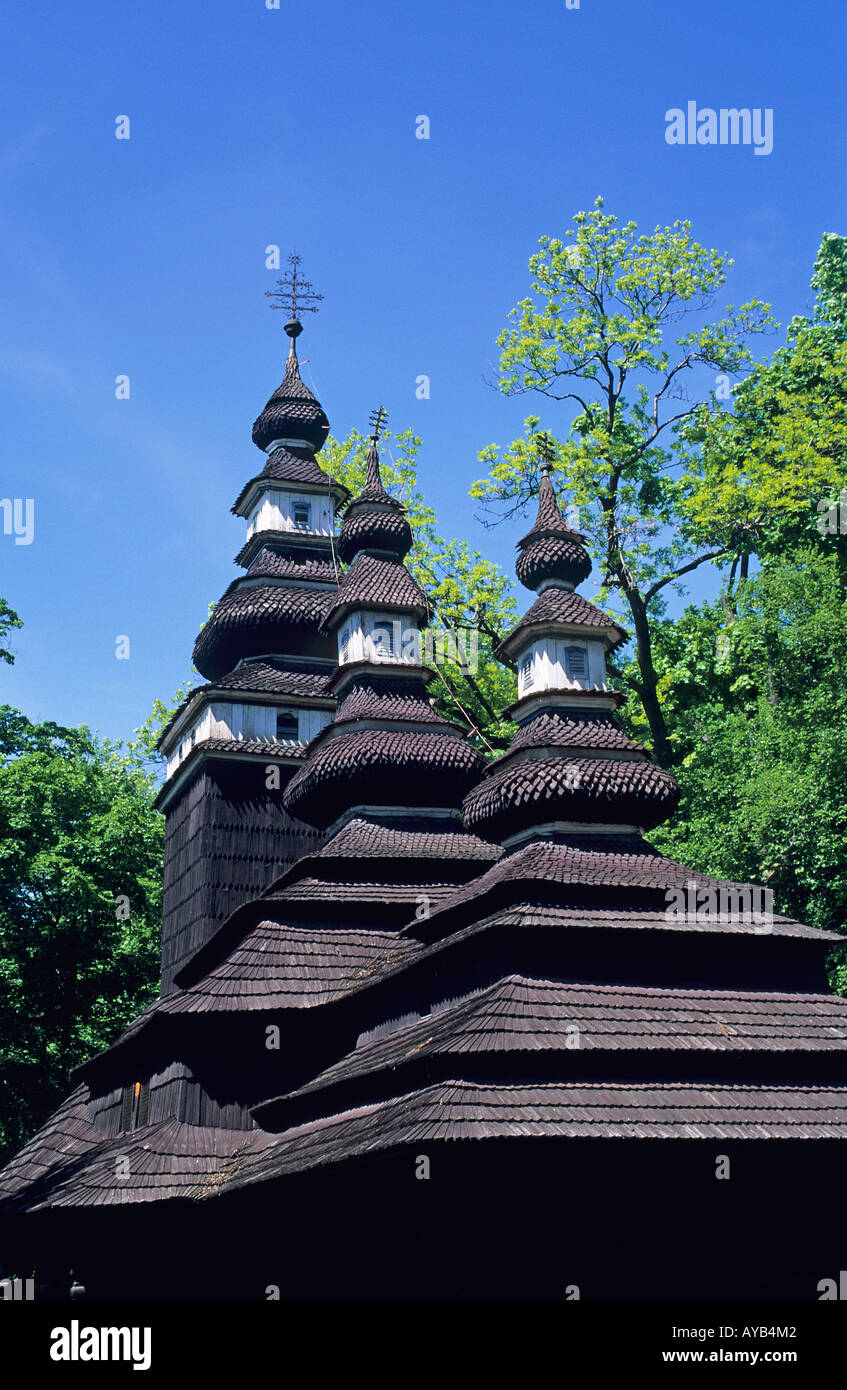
column 345, row 644
column 526, row 671
column 135, row 1111
column 302, row 516
column 287, row 726
column 576, row 661
column 383, row 640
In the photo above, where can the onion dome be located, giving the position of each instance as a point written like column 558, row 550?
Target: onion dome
column 292, row 419
column 374, row 540
column 375, row 521
column 551, row 550
column 569, row 769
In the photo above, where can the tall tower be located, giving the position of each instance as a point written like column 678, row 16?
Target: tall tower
column 234, row 743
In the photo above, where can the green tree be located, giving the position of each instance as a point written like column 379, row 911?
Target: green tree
column 768, row 474
column 472, row 597
column 80, row 897
column 755, row 696
column 604, row 340
column 8, row 620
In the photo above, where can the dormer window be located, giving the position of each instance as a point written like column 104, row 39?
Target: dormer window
column 526, row 671
column 576, row 662
column 302, row 516
column 287, row 726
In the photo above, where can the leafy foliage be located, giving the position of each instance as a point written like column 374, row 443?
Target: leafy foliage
column 604, row 340
column 80, row 903
column 8, row 620
column 756, row 700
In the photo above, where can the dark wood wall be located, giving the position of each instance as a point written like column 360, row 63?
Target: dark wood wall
column 226, row 838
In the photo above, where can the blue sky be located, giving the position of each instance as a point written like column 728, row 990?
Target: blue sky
column 296, row 126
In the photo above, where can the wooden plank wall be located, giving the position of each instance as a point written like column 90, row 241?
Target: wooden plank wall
column 226, row 838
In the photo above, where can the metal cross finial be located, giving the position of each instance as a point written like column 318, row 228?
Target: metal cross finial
column 379, row 419
column 294, row 294
column 545, row 454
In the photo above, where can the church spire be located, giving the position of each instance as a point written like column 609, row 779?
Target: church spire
column 387, row 747
column 570, row 769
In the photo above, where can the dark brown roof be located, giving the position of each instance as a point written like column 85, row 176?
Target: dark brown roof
column 58, row 1145
column 574, row 865
column 374, row 520
column 252, row 620
column 413, row 839
column 551, row 550
column 557, row 605
column 566, row 729
column 520, row 1014
column 295, row 562
column 292, row 411
column 549, row 520
column 376, row 528
column 173, row 1160
column 381, row 767
column 281, row 966
column 542, row 787
column 263, row 676
column 284, row 467
column 379, row 698
column 375, row 582
column 453, row 1109
column 570, row 913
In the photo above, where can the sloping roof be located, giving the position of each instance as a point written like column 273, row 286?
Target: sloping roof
column 413, row 839
column 59, row 1145
column 293, row 562
column 376, row 528
column 251, row 618
column 375, row 582
column 381, row 767
column 539, row 787
column 458, row 1110
column 393, row 698
column 281, row 966
column 556, row 606
column 262, row 676
column 522, row 1014
column 292, row 412
column 566, row 729
column 568, row 866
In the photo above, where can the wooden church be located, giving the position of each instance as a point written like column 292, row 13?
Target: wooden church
column 430, row 1028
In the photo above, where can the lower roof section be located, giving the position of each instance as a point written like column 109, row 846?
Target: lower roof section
column 172, row 1160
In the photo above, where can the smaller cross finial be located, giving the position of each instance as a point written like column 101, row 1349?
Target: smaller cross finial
column 378, row 421
column 296, row 295
column 545, row 455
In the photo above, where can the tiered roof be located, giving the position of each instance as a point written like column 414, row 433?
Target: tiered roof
column 557, row 936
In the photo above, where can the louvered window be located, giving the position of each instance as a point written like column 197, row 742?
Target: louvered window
column 576, row 661
column 135, row 1110
column 526, row 671
column 302, row 516
column 383, row 640
column 345, row 644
